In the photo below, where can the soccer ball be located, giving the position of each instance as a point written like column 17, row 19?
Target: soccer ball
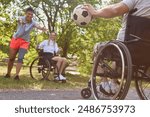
column 81, row 16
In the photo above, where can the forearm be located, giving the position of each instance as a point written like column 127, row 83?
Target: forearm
column 40, row 27
column 108, row 12
column 111, row 11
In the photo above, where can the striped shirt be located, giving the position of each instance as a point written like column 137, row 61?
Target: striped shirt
column 23, row 30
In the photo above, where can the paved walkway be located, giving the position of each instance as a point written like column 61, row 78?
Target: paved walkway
column 51, row 95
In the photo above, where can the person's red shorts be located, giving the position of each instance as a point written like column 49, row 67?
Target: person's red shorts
column 19, row 43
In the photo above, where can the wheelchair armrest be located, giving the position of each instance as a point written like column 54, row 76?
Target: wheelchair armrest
column 40, row 51
column 136, row 39
column 131, row 41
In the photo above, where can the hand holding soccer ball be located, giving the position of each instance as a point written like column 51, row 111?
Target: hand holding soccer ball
column 81, row 16
column 91, row 10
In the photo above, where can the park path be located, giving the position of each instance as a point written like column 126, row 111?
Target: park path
column 51, row 95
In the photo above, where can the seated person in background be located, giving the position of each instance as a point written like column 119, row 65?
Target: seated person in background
column 50, row 48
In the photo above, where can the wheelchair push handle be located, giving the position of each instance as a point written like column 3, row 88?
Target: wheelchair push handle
column 133, row 11
column 39, row 50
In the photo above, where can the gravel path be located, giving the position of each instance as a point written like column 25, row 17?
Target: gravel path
column 51, row 95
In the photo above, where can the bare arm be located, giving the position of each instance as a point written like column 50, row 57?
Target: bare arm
column 109, row 11
column 41, row 28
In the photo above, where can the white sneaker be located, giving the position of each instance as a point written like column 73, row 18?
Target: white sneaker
column 104, row 88
column 114, row 87
column 60, row 78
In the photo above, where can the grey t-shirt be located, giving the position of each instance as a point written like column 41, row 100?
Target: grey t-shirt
column 143, row 7
column 23, row 30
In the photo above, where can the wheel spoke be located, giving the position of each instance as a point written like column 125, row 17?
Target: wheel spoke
column 40, row 68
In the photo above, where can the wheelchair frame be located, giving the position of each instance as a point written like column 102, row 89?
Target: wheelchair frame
column 45, row 68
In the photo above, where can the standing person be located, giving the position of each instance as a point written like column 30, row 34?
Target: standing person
column 50, row 48
column 119, row 9
column 20, row 41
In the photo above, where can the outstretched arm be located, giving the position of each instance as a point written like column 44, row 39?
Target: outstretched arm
column 41, row 28
column 109, row 11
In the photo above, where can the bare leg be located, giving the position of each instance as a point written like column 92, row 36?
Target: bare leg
column 64, row 63
column 104, row 79
column 114, row 67
column 18, row 68
column 59, row 63
column 100, row 70
column 12, row 56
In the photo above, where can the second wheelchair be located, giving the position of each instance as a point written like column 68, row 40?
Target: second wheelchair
column 44, row 69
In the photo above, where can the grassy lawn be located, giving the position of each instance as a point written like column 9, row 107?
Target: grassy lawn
column 26, row 82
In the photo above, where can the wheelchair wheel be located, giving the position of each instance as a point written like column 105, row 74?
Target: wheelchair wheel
column 113, row 63
column 40, row 68
column 142, row 83
column 86, row 93
column 53, row 72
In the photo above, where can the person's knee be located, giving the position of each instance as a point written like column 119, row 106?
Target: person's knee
column 11, row 59
column 96, row 49
column 21, row 55
column 20, row 60
column 59, row 60
column 64, row 59
column 65, row 62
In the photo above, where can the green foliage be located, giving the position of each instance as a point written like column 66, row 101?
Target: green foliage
column 7, row 28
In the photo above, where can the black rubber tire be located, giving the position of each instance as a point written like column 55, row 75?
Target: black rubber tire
column 129, row 69
column 48, row 67
column 139, row 88
column 86, row 93
column 139, row 91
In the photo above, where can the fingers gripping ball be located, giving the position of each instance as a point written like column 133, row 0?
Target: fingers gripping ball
column 81, row 16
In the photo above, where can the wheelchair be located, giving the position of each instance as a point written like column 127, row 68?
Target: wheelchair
column 44, row 69
column 131, row 59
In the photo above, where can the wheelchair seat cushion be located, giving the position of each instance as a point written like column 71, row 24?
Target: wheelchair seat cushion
column 48, row 56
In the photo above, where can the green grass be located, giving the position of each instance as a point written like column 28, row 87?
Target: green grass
column 26, row 82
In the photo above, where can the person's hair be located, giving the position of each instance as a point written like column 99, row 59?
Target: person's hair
column 30, row 9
